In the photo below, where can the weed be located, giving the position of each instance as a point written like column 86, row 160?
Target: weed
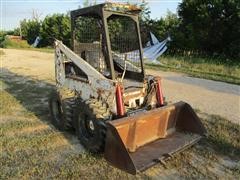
column 22, row 44
column 200, row 67
column 236, row 170
column 9, row 43
column 8, row 103
column 223, row 135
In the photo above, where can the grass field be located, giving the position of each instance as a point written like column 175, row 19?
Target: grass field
column 22, row 44
column 201, row 67
column 33, row 148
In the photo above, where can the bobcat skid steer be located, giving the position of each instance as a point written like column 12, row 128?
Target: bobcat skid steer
column 103, row 93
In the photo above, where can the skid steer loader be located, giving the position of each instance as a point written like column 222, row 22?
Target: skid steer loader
column 103, row 93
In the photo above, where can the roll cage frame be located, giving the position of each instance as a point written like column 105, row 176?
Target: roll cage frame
column 101, row 12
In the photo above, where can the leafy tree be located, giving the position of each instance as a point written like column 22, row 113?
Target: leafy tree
column 144, row 21
column 87, row 3
column 163, row 27
column 145, row 14
column 3, row 35
column 56, row 26
column 211, row 25
column 87, row 29
column 170, row 25
column 16, row 32
column 30, row 29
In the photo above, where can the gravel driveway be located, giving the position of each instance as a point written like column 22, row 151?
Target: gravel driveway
column 208, row 96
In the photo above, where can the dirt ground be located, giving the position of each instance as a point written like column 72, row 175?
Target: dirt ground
column 32, row 147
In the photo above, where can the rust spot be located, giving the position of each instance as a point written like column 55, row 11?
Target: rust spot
column 100, row 92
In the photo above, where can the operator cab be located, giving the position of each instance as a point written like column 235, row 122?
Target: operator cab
column 108, row 38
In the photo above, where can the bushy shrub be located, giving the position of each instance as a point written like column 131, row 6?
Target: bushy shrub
column 12, row 43
column 56, row 26
column 30, row 29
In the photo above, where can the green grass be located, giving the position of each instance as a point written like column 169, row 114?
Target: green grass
column 200, row 67
column 200, row 161
column 223, row 135
column 47, row 153
column 8, row 101
column 31, row 147
column 22, row 44
column 8, row 43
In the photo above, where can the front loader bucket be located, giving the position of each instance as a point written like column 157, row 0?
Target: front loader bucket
column 138, row 142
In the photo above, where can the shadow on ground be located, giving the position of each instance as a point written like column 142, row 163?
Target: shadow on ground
column 38, row 154
column 33, row 95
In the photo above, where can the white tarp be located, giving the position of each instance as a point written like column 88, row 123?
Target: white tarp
column 151, row 52
column 155, row 49
column 36, row 42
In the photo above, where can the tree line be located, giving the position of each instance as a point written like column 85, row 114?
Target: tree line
column 200, row 27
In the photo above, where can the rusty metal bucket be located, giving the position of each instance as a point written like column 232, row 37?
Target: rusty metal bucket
column 138, row 142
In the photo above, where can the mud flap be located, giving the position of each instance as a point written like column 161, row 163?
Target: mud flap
column 138, row 142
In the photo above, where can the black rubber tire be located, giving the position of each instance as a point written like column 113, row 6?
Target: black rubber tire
column 96, row 112
column 61, row 111
column 56, row 110
column 69, row 105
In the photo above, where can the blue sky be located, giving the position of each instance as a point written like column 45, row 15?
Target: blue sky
column 12, row 11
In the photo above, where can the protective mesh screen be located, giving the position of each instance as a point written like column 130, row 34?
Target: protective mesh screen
column 124, row 42
column 88, row 29
column 88, row 43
